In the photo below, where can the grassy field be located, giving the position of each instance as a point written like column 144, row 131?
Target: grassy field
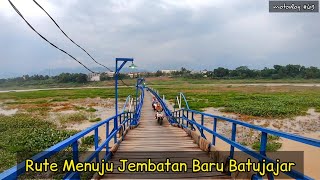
column 30, row 130
column 260, row 101
column 22, row 133
column 66, row 94
column 51, row 84
column 207, row 81
column 151, row 81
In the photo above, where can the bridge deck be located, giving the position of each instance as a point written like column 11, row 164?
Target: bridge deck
column 149, row 136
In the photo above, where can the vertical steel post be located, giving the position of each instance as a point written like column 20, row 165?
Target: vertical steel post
column 214, row 130
column 96, row 142
column 192, row 119
column 75, row 152
column 116, row 99
column 263, row 149
column 202, row 123
column 182, row 117
column 136, row 106
column 107, row 134
column 263, row 143
column 115, row 129
column 180, row 102
column 187, row 118
column 233, row 138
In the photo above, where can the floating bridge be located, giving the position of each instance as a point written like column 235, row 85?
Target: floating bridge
column 183, row 130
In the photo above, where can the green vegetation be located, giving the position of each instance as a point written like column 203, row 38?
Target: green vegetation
column 58, row 99
column 91, row 109
column 243, row 72
column 79, row 108
column 67, row 94
column 271, row 146
column 88, row 141
column 272, row 143
column 60, row 81
column 262, row 101
column 72, row 118
column 95, row 120
column 22, row 133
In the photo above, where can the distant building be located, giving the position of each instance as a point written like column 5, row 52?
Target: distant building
column 204, row 71
column 133, row 75
column 168, row 71
column 94, row 77
column 110, row 74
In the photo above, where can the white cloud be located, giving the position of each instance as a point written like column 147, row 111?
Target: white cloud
column 160, row 33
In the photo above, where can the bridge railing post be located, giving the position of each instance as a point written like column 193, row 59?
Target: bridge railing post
column 192, row 118
column 233, row 138
column 202, row 123
column 187, row 118
column 107, row 134
column 263, row 149
column 182, row 117
column 125, row 117
column 75, row 154
column 96, row 142
column 114, row 129
column 214, row 130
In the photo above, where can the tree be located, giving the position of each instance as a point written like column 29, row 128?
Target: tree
column 81, row 78
column 267, row 73
column 158, row 73
column 221, row 72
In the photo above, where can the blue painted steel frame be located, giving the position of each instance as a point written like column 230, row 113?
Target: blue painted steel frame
column 137, row 113
column 138, row 85
column 124, row 61
column 180, row 114
column 128, row 119
column 125, row 104
column 185, row 100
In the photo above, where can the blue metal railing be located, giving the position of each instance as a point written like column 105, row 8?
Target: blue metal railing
column 185, row 117
column 126, row 103
column 137, row 114
column 185, row 100
column 124, row 119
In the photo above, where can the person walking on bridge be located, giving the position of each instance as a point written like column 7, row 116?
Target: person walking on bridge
column 154, row 103
column 158, row 109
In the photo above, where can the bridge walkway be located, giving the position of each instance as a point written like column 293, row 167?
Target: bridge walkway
column 150, row 137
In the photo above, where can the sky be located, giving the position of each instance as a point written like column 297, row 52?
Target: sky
column 158, row 34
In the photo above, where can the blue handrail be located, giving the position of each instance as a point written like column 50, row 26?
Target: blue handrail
column 125, row 119
column 234, row 144
column 182, row 115
column 126, row 103
column 185, row 99
column 137, row 114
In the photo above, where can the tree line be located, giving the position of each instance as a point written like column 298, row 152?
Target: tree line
column 243, row 72
column 61, row 78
